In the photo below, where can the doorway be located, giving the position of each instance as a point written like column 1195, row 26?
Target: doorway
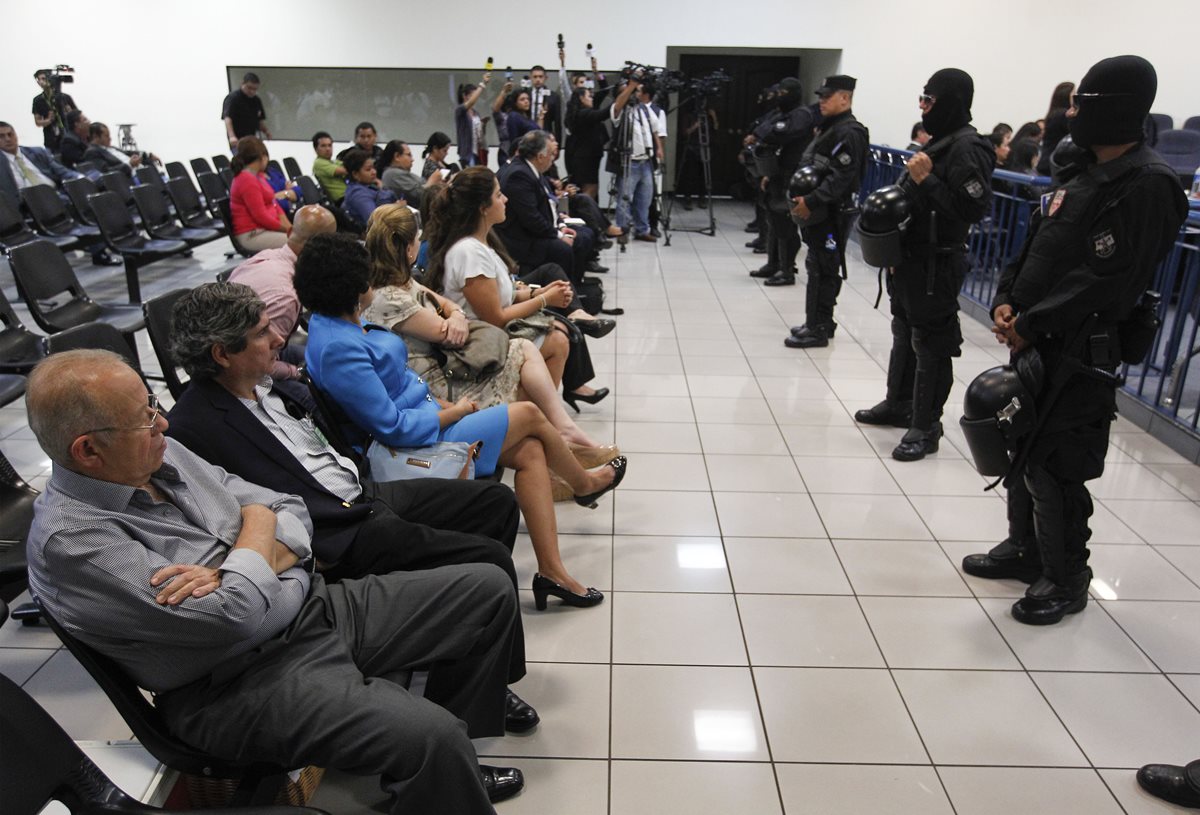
column 734, row 108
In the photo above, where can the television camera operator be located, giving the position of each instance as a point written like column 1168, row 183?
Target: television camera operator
column 51, row 106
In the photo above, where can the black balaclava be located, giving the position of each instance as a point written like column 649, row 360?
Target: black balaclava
column 790, row 93
column 954, row 91
column 1125, row 88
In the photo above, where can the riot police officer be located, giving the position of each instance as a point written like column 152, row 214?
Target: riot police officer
column 838, row 154
column 948, row 187
column 783, row 137
column 1067, row 303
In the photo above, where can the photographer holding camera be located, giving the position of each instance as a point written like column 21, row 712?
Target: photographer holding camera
column 51, row 106
column 636, row 127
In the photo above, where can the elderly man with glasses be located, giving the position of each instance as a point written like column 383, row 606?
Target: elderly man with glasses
column 201, row 587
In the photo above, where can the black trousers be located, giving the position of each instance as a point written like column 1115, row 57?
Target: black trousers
column 823, row 263
column 1059, row 464
column 578, row 370
column 926, row 335
column 425, row 523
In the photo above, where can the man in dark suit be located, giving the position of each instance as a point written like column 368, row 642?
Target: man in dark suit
column 531, row 232
column 230, row 416
column 22, row 167
column 542, row 98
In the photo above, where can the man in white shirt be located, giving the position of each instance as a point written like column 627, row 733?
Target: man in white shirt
column 638, row 127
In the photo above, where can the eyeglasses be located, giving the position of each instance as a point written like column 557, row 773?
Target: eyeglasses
column 1077, row 96
column 155, row 411
column 926, row 99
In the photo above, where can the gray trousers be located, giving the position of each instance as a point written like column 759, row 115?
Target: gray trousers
column 326, row 691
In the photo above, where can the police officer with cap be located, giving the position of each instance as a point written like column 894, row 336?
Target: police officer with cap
column 1070, row 302
column 948, row 187
column 786, row 134
column 838, row 154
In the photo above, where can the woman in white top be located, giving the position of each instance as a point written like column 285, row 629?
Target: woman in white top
column 469, row 265
column 428, row 322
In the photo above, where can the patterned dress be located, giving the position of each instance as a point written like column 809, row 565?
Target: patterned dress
column 395, row 304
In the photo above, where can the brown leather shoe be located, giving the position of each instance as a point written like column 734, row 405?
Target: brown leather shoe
column 646, row 237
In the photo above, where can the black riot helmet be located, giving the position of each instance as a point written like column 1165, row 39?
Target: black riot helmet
column 804, row 181
column 998, row 411
column 790, row 93
column 1067, row 160
column 1112, row 102
column 953, row 91
column 882, row 224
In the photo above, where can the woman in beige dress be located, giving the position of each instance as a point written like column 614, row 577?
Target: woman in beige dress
column 427, row 320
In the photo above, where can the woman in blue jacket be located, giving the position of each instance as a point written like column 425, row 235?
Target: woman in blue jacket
column 363, row 368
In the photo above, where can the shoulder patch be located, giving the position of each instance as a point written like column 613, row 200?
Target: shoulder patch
column 974, row 188
column 845, row 158
column 1104, row 245
column 1056, row 202
column 781, row 125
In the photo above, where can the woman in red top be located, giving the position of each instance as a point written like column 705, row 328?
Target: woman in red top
column 258, row 222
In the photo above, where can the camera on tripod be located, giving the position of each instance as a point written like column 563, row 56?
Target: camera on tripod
column 57, row 76
column 709, row 84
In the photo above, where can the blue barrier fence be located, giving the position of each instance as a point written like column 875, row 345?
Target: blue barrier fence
column 1169, row 381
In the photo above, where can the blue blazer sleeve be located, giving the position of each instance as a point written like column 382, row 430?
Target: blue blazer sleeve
column 348, row 374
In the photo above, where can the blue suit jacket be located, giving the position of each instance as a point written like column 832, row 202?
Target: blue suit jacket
column 39, row 157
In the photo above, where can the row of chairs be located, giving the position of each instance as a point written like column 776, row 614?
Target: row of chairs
column 1164, row 122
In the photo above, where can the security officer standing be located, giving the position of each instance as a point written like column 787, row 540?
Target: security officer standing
column 786, row 134
column 948, row 186
column 1090, row 256
column 839, row 155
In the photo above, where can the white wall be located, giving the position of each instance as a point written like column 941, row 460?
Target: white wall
column 161, row 64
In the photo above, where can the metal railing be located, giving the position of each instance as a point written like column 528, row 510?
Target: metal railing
column 1168, row 382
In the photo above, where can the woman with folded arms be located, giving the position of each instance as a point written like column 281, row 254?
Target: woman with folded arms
column 428, row 321
column 469, row 265
column 363, row 193
column 258, row 221
column 363, row 368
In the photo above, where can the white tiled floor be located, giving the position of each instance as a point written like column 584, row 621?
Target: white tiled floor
column 787, row 629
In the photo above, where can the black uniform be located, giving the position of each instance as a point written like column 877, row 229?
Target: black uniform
column 1093, row 250
column 840, row 150
column 924, row 289
column 246, row 113
column 792, row 132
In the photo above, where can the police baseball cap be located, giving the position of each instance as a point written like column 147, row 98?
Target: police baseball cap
column 838, row 82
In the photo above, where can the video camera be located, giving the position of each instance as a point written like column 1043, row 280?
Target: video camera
column 57, row 76
column 661, row 78
column 709, row 84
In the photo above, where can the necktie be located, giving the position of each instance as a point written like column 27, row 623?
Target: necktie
column 26, row 173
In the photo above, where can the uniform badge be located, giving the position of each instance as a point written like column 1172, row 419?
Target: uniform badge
column 781, row 125
column 1056, row 202
column 1104, row 244
column 974, row 188
column 844, row 158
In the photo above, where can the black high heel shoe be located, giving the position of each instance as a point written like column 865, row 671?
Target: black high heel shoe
column 597, row 327
column 619, row 463
column 572, row 398
column 544, row 586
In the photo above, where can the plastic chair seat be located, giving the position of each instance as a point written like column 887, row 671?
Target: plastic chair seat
column 12, row 388
column 20, row 350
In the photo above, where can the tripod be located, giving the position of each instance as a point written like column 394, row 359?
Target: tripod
column 704, row 141
column 618, row 190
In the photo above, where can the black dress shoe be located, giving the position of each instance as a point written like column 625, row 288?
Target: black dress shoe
column 519, row 717
column 594, row 267
column 1179, row 785
column 757, row 243
column 595, row 328
column 761, row 250
column 620, row 463
column 501, row 783
column 656, row 233
column 1046, row 602
column 916, row 444
column 604, row 243
column 591, row 399
column 801, row 330
column 1006, row 560
column 780, row 279
column 544, row 587
column 888, row 414
column 765, row 271
column 753, row 226
column 813, row 339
